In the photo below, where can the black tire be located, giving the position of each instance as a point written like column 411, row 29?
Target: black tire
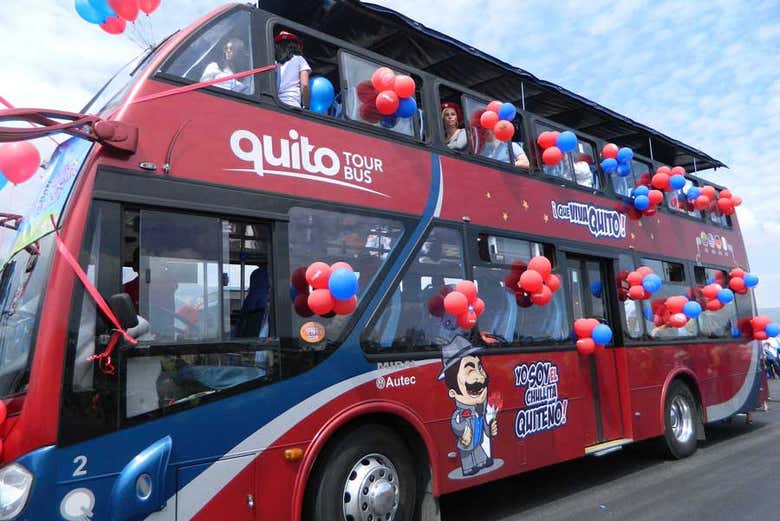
column 327, row 495
column 681, row 420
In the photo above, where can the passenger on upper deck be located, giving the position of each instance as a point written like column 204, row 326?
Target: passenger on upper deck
column 452, row 121
column 498, row 150
column 236, row 60
column 292, row 73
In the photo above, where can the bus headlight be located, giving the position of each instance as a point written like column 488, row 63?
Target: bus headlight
column 15, row 484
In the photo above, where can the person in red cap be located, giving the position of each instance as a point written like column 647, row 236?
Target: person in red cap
column 452, row 121
column 236, row 59
column 292, row 72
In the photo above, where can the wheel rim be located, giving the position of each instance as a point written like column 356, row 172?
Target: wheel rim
column 372, row 490
column 681, row 419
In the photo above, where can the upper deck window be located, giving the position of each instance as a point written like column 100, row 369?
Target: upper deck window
column 678, row 200
column 360, row 98
column 639, row 175
column 220, row 51
column 578, row 166
column 483, row 143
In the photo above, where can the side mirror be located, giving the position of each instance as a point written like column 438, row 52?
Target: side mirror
column 122, row 306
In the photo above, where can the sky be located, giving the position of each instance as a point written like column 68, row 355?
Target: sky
column 704, row 72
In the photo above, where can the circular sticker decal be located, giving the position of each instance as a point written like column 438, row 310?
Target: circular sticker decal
column 77, row 505
column 312, row 332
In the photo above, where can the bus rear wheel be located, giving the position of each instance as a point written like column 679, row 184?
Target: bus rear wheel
column 366, row 475
column 680, row 421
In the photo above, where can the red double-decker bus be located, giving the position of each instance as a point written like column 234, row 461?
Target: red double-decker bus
column 165, row 354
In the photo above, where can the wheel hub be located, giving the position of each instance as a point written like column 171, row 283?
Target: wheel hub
column 681, row 419
column 371, row 491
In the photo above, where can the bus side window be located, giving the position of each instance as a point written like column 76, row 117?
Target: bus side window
column 360, row 99
column 639, row 175
column 721, row 322
column 656, row 314
column 220, row 51
column 413, row 320
column 630, row 310
column 483, row 143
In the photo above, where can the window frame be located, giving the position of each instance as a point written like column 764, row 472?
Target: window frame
column 538, row 123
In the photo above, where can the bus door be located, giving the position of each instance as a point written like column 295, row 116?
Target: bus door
column 590, row 293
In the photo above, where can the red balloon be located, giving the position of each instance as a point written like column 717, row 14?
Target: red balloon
column 643, row 179
column 149, row 6
column 737, row 284
column 511, row 280
column 547, row 139
column 456, row 303
column 725, row 205
column 3, row 415
column 760, row 335
column 710, row 291
column 760, row 322
column 636, row 293
column 701, row 202
column 126, row 9
column 531, row 281
column 436, row 305
column 586, row 346
column 345, row 307
column 610, row 150
column 341, row 265
column 552, row 156
column 404, row 86
column 317, row 275
column 467, row 320
column 301, row 305
column 19, row 161
column 488, row 119
column 678, row 170
column 494, row 106
column 468, row 288
column 445, row 290
column 298, row 279
column 387, row 102
column 383, row 79
column 713, row 304
column 543, row 297
column 321, row 301
column 737, row 200
column 113, row 25
column 656, row 197
column 553, row 282
column 583, row 327
column 479, row 306
column 518, row 267
column 675, row 304
column 541, row 265
column 644, row 271
column 635, row 278
column 504, row 130
column 737, row 272
column 369, row 112
column 663, row 170
column 708, row 192
column 661, row 181
column 366, row 92
column 724, row 194
column 678, row 320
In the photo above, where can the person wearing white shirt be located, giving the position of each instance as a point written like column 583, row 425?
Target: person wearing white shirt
column 292, row 72
column 236, row 60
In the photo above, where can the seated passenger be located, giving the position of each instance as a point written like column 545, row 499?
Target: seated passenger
column 253, row 310
column 292, row 73
column 236, row 60
column 454, row 133
column 499, row 150
column 584, row 171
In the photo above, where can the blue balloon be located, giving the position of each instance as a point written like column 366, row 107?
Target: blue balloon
column 641, row 190
column 507, row 111
column 772, row 329
column 641, row 202
column 407, row 107
column 725, row 295
column 625, row 155
column 566, row 141
column 751, row 280
column 623, row 169
column 735, row 332
column 609, row 165
column 343, row 284
column 595, row 288
column 389, row 121
column 602, row 334
column 692, row 309
column 651, row 282
column 102, row 7
column 3, row 180
column 321, row 94
column 693, row 193
column 677, row 181
column 89, row 13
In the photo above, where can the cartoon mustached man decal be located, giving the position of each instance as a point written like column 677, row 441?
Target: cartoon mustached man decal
column 474, row 419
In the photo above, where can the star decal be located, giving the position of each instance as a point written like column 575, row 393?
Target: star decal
column 652, row 236
column 633, row 236
column 546, row 218
column 525, row 204
column 658, row 221
column 488, row 195
column 639, row 223
column 505, row 216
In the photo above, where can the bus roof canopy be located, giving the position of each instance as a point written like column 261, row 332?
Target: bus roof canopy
column 400, row 38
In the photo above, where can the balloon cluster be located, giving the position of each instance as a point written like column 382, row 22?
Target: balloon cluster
column 591, row 333
column 763, row 327
column 716, row 296
column 387, row 97
column 497, row 118
column 616, row 160
column 740, row 281
column 646, row 200
column 461, row 302
column 674, row 311
column 727, row 202
column 555, row 144
column 642, row 283
column 18, row 162
column 333, row 289
column 113, row 15
column 534, row 283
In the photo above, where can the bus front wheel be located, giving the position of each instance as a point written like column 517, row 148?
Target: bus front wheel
column 367, row 475
column 680, row 421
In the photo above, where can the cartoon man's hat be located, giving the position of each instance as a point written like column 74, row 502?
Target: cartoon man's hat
column 454, row 351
